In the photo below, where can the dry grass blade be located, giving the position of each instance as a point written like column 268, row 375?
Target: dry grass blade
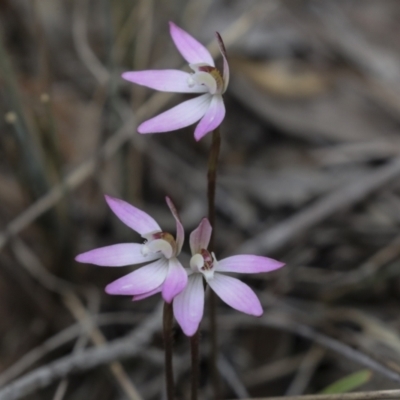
column 377, row 395
column 119, row 349
column 31, row 262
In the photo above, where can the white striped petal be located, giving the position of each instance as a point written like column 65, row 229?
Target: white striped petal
column 189, row 305
column 212, row 118
column 167, row 80
column 192, row 50
column 180, row 116
column 117, row 255
column 236, row 294
column 131, row 216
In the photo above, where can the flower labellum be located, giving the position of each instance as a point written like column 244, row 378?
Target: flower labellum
column 208, row 108
column 164, row 274
column 189, row 304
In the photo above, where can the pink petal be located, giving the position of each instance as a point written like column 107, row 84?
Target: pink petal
column 176, row 280
column 212, row 118
column 167, row 80
column 117, row 255
column 180, row 233
column 236, row 294
column 248, row 264
column 200, row 237
column 131, row 216
column 225, row 73
column 192, row 50
column 180, row 116
column 142, row 280
column 147, row 294
column 189, row 305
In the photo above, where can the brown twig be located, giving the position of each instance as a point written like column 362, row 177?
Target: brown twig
column 118, row 349
column 377, row 395
column 284, row 232
column 62, row 338
column 286, row 322
column 34, row 266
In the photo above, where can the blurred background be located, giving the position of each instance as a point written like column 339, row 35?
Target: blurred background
column 309, row 174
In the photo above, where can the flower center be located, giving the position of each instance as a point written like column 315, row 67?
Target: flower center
column 208, row 76
column 204, row 262
column 160, row 242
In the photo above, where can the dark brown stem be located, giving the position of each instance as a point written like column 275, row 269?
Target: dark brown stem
column 194, row 352
column 212, row 182
column 167, row 327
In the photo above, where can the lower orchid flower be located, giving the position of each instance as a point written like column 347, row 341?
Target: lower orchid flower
column 189, row 304
column 164, row 274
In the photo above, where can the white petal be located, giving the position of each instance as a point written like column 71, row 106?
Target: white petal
column 212, row 118
column 189, row 305
column 141, row 281
column 167, row 80
column 116, row 255
column 131, row 216
column 248, row 264
column 175, row 281
column 192, row 50
column 236, row 294
column 180, row 116
column 200, row 237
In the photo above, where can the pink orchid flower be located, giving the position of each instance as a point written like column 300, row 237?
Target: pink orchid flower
column 189, row 304
column 206, row 78
column 165, row 274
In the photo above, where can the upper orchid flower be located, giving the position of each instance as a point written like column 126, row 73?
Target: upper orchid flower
column 165, row 275
column 189, row 304
column 206, row 78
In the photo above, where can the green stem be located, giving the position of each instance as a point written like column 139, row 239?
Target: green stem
column 212, row 182
column 167, row 328
column 194, row 352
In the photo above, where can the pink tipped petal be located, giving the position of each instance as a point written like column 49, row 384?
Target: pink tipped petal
column 236, row 294
column 189, row 305
column 142, row 280
column 192, row 50
column 147, row 294
column 180, row 116
column 212, row 118
column 117, row 255
column 225, row 74
column 131, row 216
column 175, row 282
column 168, row 80
column 248, row 264
column 200, row 237
column 180, row 233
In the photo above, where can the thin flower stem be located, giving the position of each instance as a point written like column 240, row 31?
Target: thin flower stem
column 194, row 352
column 212, row 181
column 167, row 327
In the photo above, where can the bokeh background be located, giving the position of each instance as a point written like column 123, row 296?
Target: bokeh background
column 309, row 174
